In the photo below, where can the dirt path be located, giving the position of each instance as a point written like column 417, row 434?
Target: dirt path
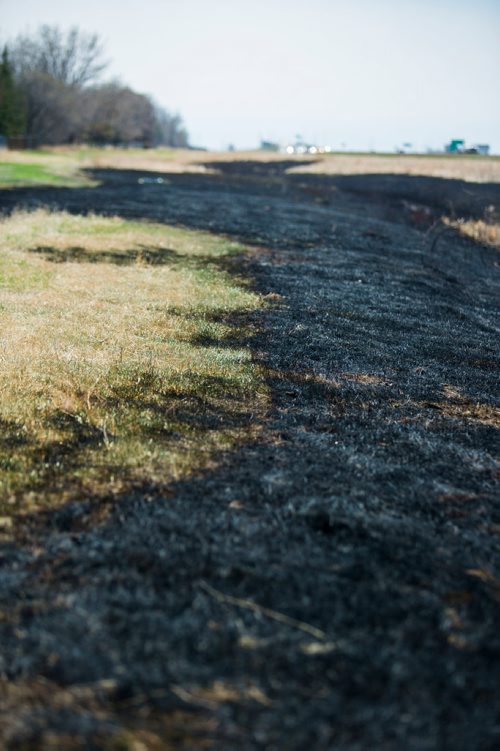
column 331, row 586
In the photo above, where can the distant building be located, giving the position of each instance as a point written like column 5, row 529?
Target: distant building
column 407, row 148
column 457, row 146
column 269, row 146
column 482, row 148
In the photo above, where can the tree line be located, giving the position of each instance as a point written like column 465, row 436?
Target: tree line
column 50, row 94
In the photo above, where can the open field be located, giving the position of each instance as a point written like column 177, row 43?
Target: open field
column 250, row 468
column 64, row 165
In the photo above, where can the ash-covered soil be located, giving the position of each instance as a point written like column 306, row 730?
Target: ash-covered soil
column 333, row 585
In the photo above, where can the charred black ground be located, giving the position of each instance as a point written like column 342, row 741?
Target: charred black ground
column 333, row 585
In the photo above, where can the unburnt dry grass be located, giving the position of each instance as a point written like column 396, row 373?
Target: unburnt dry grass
column 471, row 168
column 118, row 362
column 485, row 232
column 65, row 165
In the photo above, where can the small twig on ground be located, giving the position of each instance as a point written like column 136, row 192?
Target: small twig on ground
column 189, row 698
column 442, row 231
column 261, row 610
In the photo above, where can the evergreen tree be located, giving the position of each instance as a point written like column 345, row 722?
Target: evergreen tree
column 12, row 117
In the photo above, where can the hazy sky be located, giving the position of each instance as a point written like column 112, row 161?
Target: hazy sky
column 365, row 73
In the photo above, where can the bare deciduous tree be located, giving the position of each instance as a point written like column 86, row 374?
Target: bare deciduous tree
column 169, row 129
column 116, row 114
column 56, row 73
column 51, row 109
column 74, row 58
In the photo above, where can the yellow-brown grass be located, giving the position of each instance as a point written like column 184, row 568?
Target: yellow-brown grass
column 457, row 405
column 118, row 363
column 174, row 730
column 469, row 168
column 69, row 161
column 483, row 232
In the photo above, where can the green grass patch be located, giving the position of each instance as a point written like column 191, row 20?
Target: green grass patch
column 14, row 174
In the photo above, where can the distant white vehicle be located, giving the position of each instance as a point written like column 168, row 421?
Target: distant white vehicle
column 299, row 147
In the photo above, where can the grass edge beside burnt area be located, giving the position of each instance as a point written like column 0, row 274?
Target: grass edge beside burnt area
column 124, row 357
column 41, row 168
column 64, row 166
column 482, row 231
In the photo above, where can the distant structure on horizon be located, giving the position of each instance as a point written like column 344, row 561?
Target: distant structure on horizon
column 458, row 146
column 269, row 146
column 300, row 146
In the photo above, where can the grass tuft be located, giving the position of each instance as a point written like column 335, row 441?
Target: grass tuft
column 481, row 231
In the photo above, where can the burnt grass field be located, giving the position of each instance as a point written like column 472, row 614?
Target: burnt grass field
column 332, row 585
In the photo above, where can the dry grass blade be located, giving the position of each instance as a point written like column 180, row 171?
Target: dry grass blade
column 220, row 693
column 274, row 615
